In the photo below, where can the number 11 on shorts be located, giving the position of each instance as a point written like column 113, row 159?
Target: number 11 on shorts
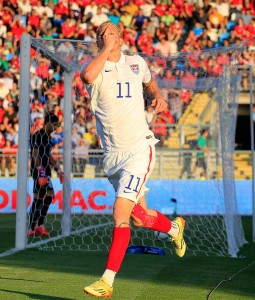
column 133, row 183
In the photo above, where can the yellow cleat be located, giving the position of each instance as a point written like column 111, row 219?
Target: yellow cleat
column 99, row 289
column 179, row 243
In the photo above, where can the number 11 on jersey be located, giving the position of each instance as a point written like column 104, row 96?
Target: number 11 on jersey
column 124, row 90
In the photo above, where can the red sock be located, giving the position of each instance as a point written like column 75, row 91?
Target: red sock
column 120, row 241
column 162, row 223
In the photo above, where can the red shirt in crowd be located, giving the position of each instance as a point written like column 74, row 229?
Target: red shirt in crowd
column 174, row 11
column 237, row 2
column 1, row 115
column 167, row 117
column 2, row 140
column 15, row 62
column 60, row 9
column 159, row 127
column 57, row 89
column 78, row 84
column 82, row 3
column 129, row 37
column 189, row 8
column 240, row 30
column 121, row 2
column 42, row 70
column 161, row 62
column 100, row 2
column 223, row 59
column 215, row 69
column 179, row 3
column 175, row 27
column 33, row 52
column 251, row 30
column 68, row 30
column 143, row 40
column 185, row 96
column 160, row 124
column 161, row 8
column 6, row 18
column 194, row 60
column 139, row 2
column 34, row 21
column 17, row 31
column 148, row 49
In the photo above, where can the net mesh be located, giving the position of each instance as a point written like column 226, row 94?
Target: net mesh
column 200, row 88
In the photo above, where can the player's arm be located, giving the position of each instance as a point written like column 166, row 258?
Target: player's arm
column 54, row 163
column 92, row 69
column 41, row 175
column 35, row 154
column 152, row 91
column 36, row 157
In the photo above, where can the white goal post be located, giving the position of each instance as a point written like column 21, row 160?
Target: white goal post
column 216, row 233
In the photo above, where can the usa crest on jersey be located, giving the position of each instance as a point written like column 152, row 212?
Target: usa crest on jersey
column 135, row 68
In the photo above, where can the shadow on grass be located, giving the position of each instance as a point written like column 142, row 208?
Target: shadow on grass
column 35, row 296
column 19, row 279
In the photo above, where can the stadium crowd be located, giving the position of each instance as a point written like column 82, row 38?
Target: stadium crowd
column 160, row 28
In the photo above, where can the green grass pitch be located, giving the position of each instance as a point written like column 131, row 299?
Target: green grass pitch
column 55, row 275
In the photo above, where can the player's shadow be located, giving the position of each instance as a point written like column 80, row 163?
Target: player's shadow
column 21, row 279
column 36, row 296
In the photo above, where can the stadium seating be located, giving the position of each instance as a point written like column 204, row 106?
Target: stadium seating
column 242, row 165
column 191, row 116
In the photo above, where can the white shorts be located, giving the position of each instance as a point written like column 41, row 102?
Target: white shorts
column 128, row 172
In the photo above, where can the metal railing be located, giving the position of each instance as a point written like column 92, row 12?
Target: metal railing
column 170, row 164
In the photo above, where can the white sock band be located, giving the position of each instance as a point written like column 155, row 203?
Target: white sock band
column 109, row 275
column 174, row 230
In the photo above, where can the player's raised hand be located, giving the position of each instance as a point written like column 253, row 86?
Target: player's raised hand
column 159, row 104
column 109, row 38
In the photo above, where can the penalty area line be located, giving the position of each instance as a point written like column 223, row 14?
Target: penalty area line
column 53, row 239
column 228, row 279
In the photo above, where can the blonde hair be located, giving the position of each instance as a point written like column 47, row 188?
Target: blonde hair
column 103, row 25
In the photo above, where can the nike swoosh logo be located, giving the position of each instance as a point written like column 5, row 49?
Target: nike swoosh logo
column 107, row 70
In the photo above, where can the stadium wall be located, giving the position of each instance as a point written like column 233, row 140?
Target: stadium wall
column 96, row 196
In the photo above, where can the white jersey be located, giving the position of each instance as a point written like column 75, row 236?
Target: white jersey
column 118, row 104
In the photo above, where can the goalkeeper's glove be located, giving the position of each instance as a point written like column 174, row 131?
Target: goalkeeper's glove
column 42, row 177
column 61, row 174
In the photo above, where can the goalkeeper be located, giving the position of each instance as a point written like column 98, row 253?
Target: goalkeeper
column 116, row 83
column 41, row 163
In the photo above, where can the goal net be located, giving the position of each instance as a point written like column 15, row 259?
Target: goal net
column 201, row 89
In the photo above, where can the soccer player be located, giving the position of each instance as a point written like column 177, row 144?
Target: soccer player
column 41, row 162
column 116, row 83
